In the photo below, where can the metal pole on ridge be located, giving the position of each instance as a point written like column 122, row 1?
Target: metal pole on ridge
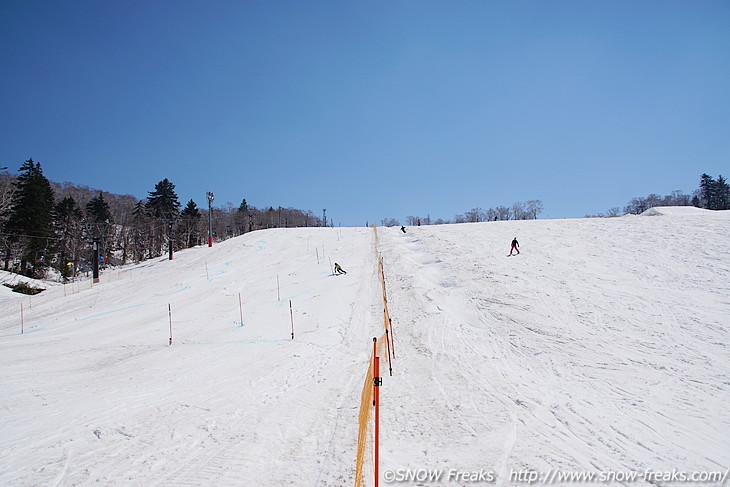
column 210, row 196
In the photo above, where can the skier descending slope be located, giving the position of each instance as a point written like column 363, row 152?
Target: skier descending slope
column 515, row 246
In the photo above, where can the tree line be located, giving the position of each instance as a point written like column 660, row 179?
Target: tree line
column 52, row 226
column 712, row 194
column 518, row 211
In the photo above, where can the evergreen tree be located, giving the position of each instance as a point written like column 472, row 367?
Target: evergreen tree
column 722, row 193
column 163, row 202
column 67, row 212
column 98, row 211
column 189, row 225
column 707, row 192
column 139, row 211
column 99, row 224
column 244, row 217
column 163, row 205
column 31, row 217
column 191, row 210
column 69, row 231
column 141, row 224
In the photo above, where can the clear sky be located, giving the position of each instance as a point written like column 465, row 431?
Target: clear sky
column 370, row 109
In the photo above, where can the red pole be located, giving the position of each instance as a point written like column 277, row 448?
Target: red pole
column 210, row 241
column 291, row 315
column 169, row 312
column 376, row 395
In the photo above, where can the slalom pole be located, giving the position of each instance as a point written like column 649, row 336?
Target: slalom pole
column 169, row 312
column 291, row 315
column 317, row 250
column 392, row 336
column 22, row 321
column 333, row 272
column 278, row 292
column 240, row 307
column 387, row 343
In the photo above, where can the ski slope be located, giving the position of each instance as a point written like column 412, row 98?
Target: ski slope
column 603, row 347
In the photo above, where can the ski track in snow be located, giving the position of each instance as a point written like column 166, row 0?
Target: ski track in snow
column 602, row 347
column 100, row 397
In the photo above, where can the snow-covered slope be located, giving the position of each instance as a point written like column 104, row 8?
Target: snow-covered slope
column 677, row 211
column 93, row 394
column 602, row 347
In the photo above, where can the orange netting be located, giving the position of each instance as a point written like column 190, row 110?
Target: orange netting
column 364, row 440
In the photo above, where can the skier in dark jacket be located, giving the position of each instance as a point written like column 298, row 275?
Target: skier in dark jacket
column 338, row 269
column 515, row 246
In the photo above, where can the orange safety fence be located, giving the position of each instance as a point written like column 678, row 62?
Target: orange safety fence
column 364, row 440
column 383, row 344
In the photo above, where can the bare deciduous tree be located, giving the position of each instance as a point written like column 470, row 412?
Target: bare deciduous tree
column 534, row 208
column 518, row 211
column 503, row 213
column 475, row 215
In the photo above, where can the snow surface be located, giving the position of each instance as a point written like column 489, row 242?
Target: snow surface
column 676, row 211
column 603, row 346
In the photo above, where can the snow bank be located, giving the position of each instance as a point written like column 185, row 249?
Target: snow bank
column 675, row 211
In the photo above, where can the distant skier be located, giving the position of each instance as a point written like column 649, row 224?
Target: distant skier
column 515, row 246
column 403, row 229
column 338, row 269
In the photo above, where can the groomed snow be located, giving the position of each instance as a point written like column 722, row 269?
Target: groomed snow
column 603, row 346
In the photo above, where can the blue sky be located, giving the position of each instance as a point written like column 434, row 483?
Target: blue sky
column 370, row 109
